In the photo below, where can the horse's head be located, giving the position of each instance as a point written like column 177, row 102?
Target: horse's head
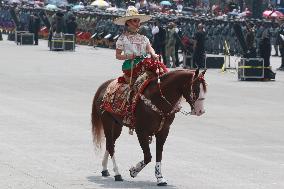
column 194, row 93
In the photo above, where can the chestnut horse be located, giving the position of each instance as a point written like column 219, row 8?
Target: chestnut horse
column 155, row 112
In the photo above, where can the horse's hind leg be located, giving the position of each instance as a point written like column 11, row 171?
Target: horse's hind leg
column 144, row 143
column 105, row 172
column 160, row 141
column 112, row 132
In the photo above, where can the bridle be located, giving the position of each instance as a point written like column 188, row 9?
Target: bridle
column 193, row 96
column 191, row 99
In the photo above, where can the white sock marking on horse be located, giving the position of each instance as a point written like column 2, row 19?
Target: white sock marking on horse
column 105, row 160
column 115, row 167
column 135, row 170
column 158, row 173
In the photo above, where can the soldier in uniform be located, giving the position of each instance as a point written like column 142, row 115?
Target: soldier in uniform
column 207, row 40
column 34, row 26
column 274, row 30
column 179, row 44
column 170, row 44
column 57, row 26
column 265, row 52
column 159, row 34
column 210, row 38
column 250, row 40
column 216, row 38
column 225, row 31
column 220, row 27
column 280, row 41
column 259, row 30
column 232, row 39
column 71, row 25
column 199, row 47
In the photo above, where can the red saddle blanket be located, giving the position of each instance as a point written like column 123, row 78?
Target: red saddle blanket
column 119, row 99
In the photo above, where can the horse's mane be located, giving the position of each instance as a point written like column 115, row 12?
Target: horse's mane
column 177, row 73
column 184, row 72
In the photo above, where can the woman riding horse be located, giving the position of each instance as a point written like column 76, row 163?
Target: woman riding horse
column 155, row 103
column 131, row 46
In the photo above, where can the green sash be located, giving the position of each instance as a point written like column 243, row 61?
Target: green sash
column 127, row 64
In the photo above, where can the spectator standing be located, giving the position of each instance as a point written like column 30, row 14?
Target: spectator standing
column 259, row 30
column 280, row 41
column 199, row 47
column 71, row 25
column 170, row 45
column 265, row 53
column 34, row 26
column 250, row 40
column 159, row 35
column 274, row 30
column 178, row 45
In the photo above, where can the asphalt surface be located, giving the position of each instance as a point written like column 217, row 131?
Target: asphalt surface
column 45, row 129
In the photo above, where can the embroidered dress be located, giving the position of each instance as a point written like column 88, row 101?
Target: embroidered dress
column 132, row 44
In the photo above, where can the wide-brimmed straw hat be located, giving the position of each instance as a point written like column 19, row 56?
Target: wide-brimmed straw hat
column 132, row 13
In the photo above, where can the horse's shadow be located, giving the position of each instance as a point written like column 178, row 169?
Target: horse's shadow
column 108, row 182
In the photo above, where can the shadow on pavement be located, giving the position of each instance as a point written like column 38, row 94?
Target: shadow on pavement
column 108, row 182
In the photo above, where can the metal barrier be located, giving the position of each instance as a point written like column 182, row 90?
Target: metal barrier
column 62, row 42
column 69, row 42
column 251, row 68
column 24, row 38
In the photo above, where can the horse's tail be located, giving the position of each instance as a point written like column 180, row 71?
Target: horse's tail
column 97, row 125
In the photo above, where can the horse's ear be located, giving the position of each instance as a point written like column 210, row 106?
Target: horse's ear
column 203, row 73
column 196, row 73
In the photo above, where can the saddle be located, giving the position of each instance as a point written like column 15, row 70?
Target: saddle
column 121, row 98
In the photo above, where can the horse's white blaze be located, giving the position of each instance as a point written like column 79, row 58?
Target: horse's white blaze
column 105, row 160
column 199, row 103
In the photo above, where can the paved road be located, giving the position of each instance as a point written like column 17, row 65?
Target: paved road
column 45, row 138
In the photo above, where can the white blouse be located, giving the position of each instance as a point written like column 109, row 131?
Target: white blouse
column 133, row 44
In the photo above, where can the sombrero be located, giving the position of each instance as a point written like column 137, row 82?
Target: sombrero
column 131, row 13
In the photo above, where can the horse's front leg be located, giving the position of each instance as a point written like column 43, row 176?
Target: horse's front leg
column 160, row 141
column 144, row 143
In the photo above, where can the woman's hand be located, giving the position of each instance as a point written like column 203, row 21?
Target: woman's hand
column 155, row 56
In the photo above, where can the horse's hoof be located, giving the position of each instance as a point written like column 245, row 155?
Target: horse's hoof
column 105, row 173
column 133, row 172
column 118, row 178
column 162, row 184
column 161, row 181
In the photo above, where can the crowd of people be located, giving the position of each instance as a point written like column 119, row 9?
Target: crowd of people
column 195, row 35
